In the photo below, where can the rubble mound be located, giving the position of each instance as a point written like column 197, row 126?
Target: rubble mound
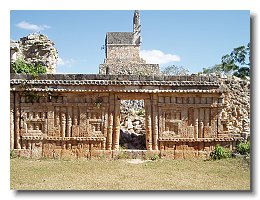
column 132, row 131
column 37, row 49
column 237, row 105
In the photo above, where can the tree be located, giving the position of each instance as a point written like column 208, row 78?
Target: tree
column 237, row 63
column 175, row 70
column 21, row 67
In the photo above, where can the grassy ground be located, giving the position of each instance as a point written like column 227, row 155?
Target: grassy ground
column 228, row 174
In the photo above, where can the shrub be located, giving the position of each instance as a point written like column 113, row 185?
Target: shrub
column 220, row 153
column 243, row 148
column 13, row 154
column 21, row 67
column 155, row 157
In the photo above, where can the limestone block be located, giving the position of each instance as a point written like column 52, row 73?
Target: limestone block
column 150, row 153
column 167, row 154
column 189, row 154
column 207, row 132
column 178, row 154
column 190, row 131
column 170, row 146
column 167, row 99
column 24, row 153
column 173, row 99
column 75, row 131
column 96, row 153
column 202, row 154
column 203, row 100
column 57, row 153
column 191, row 100
column 161, row 99
column 47, row 153
column 179, row 100
column 197, row 100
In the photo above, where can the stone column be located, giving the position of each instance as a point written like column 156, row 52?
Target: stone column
column 103, row 145
column 11, row 120
column 83, row 122
column 207, row 116
column 17, row 144
column 196, row 123
column 104, row 118
column 201, row 128
column 63, row 123
column 148, row 124
column 201, row 122
column 213, row 121
column 116, row 125
column 75, row 115
column 69, row 122
column 155, row 120
column 184, row 118
column 110, row 121
column 219, row 125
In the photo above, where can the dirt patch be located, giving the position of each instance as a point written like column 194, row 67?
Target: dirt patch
column 137, row 161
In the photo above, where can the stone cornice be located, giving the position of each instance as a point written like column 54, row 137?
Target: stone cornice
column 114, row 83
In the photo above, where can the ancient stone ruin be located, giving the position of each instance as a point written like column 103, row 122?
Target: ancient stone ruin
column 35, row 49
column 78, row 115
column 122, row 53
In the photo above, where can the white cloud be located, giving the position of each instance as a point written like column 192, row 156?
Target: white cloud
column 31, row 27
column 158, row 57
column 65, row 63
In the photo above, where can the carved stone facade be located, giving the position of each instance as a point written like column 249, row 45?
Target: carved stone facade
column 79, row 115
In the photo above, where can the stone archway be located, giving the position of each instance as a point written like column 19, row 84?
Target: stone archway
column 148, row 118
column 132, row 125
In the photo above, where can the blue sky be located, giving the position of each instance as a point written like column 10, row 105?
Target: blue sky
column 193, row 39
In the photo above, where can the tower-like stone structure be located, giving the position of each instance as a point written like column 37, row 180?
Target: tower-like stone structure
column 137, row 28
column 122, row 53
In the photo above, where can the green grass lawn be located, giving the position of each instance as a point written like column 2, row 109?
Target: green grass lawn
column 197, row 174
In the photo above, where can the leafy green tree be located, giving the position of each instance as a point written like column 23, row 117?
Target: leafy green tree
column 237, row 63
column 21, row 67
column 175, row 70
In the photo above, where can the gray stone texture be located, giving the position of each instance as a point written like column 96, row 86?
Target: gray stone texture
column 120, row 38
column 122, row 53
column 35, row 49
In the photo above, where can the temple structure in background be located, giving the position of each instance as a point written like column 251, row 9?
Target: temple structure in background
column 122, row 53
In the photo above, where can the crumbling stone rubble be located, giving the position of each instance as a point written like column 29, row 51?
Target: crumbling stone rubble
column 35, row 49
column 236, row 110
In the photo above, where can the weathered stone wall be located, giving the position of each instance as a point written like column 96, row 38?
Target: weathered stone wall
column 236, row 113
column 36, row 49
column 123, row 54
column 129, row 69
column 79, row 115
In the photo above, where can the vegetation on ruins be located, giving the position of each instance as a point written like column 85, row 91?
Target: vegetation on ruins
column 237, row 63
column 243, row 148
column 21, row 67
column 13, row 154
column 140, row 112
column 175, row 70
column 220, row 153
column 155, row 157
